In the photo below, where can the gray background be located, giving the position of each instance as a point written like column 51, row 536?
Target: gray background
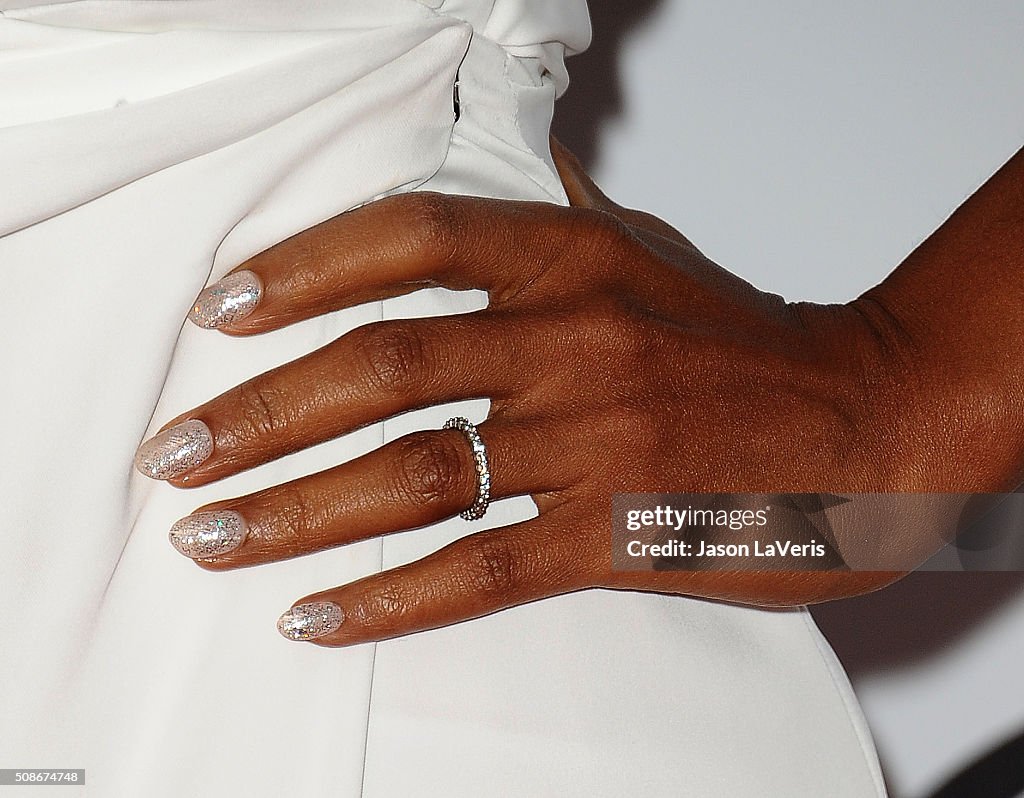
column 809, row 147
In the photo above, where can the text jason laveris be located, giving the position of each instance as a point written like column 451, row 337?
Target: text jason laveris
column 702, row 548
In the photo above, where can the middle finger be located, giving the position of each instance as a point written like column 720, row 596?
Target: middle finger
column 371, row 373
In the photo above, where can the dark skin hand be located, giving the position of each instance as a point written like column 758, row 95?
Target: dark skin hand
column 618, row 358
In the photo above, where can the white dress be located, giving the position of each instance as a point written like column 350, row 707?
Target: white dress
column 146, row 147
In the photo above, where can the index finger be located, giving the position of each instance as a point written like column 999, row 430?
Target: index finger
column 386, row 248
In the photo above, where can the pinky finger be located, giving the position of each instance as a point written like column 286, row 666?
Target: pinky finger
column 474, row 576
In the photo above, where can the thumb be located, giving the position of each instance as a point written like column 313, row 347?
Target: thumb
column 583, row 192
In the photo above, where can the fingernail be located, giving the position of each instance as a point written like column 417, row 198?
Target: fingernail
column 175, row 451
column 306, row 621
column 231, row 299
column 209, row 533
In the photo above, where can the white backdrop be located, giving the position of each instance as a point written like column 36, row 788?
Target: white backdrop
column 809, row 147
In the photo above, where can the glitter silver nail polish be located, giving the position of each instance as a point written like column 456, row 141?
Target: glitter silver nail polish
column 231, row 299
column 175, row 451
column 306, row 621
column 209, row 533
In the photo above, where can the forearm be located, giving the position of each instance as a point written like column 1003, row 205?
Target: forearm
column 953, row 315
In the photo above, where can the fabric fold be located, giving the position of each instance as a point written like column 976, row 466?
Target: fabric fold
column 57, row 164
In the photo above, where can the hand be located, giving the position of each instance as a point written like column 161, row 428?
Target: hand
column 618, row 359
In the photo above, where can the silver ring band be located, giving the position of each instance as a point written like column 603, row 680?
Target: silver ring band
column 483, row 472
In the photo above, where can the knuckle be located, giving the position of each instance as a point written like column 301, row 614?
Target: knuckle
column 435, row 224
column 607, row 332
column 261, row 408
column 644, row 429
column 619, row 424
column 431, row 468
column 394, row 356
column 296, row 519
column 306, row 254
column 604, row 231
column 594, row 247
column 312, row 270
column 384, row 605
column 608, row 225
column 494, row 565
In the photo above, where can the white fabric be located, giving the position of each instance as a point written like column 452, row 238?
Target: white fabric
column 146, row 148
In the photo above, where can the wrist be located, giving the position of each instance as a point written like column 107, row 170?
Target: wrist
column 866, row 375
column 947, row 409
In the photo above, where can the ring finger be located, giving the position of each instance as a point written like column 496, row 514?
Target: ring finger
column 413, row 481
